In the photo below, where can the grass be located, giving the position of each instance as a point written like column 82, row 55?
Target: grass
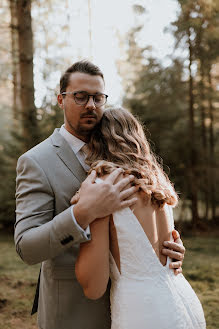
column 17, row 288
column 18, row 281
column 201, row 268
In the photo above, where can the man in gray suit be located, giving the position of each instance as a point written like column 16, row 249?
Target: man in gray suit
column 48, row 229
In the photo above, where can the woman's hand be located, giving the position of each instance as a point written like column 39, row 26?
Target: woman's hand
column 176, row 251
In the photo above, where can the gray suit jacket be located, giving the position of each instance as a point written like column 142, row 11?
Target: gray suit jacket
column 48, row 176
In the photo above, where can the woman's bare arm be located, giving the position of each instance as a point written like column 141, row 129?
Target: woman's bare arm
column 92, row 265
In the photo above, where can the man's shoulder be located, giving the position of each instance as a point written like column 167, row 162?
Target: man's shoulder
column 43, row 149
column 43, row 146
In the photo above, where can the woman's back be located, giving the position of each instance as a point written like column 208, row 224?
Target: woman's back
column 156, row 223
column 145, row 293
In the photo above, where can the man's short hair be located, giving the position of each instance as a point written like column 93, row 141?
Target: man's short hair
column 81, row 66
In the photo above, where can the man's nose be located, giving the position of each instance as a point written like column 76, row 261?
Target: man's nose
column 90, row 103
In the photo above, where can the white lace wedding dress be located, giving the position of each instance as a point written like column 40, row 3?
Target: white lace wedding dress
column 147, row 295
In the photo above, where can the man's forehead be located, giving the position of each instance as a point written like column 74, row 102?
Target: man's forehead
column 79, row 77
column 85, row 82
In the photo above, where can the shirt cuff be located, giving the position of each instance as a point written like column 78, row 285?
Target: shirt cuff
column 86, row 231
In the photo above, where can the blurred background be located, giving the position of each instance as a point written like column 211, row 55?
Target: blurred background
column 160, row 61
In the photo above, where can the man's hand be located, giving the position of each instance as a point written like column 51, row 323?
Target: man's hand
column 75, row 198
column 101, row 200
column 176, row 251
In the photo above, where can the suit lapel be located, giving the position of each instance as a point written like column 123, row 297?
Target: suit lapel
column 67, row 156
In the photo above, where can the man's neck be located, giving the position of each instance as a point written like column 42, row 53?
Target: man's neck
column 84, row 138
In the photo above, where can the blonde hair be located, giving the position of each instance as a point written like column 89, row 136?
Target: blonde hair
column 118, row 141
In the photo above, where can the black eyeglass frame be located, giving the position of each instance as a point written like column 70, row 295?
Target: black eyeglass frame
column 88, row 95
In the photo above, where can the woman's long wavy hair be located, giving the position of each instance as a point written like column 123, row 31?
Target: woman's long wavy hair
column 119, row 141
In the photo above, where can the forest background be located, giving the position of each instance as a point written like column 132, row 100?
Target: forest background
column 177, row 102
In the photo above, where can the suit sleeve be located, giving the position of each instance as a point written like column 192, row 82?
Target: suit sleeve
column 38, row 234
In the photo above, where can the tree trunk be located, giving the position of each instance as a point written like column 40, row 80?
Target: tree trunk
column 192, row 167
column 28, row 111
column 204, row 152
column 15, row 62
column 212, row 148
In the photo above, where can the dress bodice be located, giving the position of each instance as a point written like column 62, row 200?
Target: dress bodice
column 137, row 256
column 145, row 294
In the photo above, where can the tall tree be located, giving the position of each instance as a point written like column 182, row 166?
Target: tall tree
column 15, row 62
column 28, row 110
column 184, row 31
column 191, row 130
column 157, row 96
column 206, row 53
column 180, row 98
column 195, row 28
column 211, row 73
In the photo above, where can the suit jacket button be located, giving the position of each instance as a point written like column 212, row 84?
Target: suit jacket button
column 67, row 240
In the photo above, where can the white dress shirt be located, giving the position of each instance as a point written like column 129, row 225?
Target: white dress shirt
column 76, row 145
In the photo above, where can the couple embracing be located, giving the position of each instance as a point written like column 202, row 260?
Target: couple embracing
column 105, row 245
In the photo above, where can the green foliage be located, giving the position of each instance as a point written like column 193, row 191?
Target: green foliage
column 52, row 117
column 12, row 146
column 11, row 149
column 159, row 102
column 160, row 97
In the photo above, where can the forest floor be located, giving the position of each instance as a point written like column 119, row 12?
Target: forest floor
column 18, row 281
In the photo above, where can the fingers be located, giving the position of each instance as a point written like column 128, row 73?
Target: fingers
column 113, row 176
column 74, row 199
column 128, row 203
column 175, row 265
column 173, row 254
column 177, row 240
column 178, row 271
column 128, row 192
column 111, row 179
column 124, row 182
column 176, row 246
column 175, row 235
column 90, row 178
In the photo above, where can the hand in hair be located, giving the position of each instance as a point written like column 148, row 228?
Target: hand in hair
column 100, row 200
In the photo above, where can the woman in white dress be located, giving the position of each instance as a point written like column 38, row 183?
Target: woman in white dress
column 126, row 246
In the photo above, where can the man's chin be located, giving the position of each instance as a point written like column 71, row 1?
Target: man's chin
column 88, row 125
column 89, row 122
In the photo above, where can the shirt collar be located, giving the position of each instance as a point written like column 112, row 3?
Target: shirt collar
column 75, row 143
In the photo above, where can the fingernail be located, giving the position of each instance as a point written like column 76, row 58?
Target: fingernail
column 165, row 243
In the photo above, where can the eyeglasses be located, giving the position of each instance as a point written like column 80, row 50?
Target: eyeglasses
column 82, row 97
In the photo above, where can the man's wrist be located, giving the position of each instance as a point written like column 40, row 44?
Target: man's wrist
column 82, row 216
column 87, row 230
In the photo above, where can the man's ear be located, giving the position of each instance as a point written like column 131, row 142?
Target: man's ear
column 60, row 100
